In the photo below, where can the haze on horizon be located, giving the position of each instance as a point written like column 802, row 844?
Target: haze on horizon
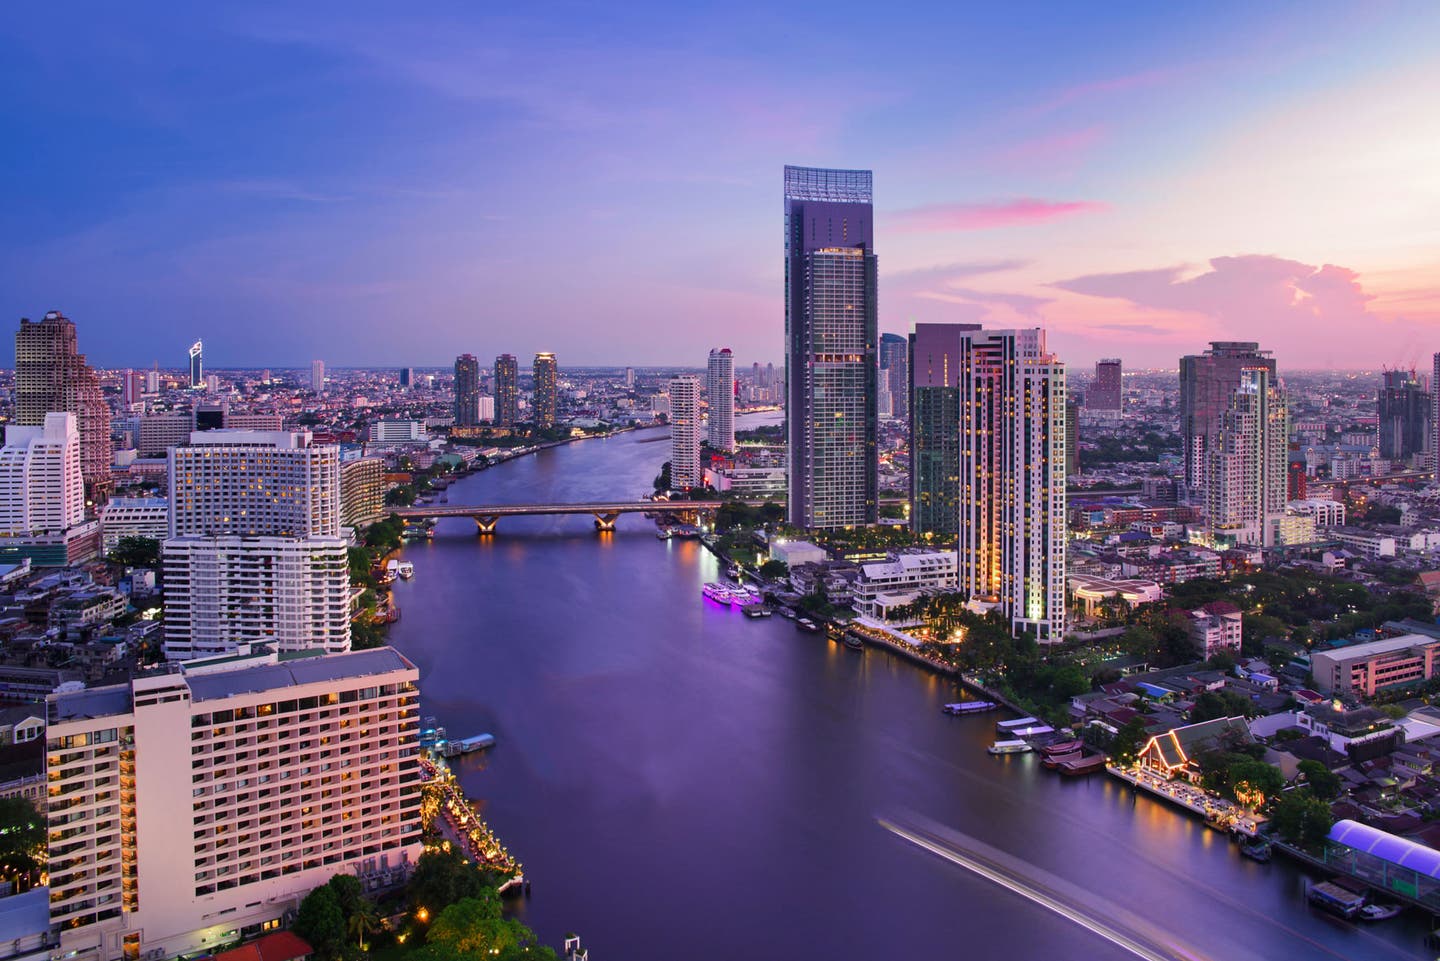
column 373, row 187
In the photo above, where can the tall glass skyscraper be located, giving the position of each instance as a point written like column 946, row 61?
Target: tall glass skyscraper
column 830, row 347
column 546, row 371
column 507, row 390
column 467, row 391
column 936, row 353
column 720, row 392
column 894, row 373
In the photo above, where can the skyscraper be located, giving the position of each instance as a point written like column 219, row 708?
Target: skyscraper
column 685, row 432
column 1072, row 438
column 1247, row 467
column 407, row 377
column 1105, row 393
column 317, row 376
column 467, row 391
column 1012, row 478
column 197, row 365
column 545, row 373
column 720, row 391
column 936, row 352
column 507, row 390
column 132, row 387
column 51, row 376
column 42, row 489
column 830, row 348
column 1404, row 410
column 894, row 376
column 1435, row 413
column 629, row 377
column 1207, row 383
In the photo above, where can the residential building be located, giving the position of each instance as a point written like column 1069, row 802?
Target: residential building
column 1246, row 478
column 720, row 393
column 255, row 483
column 395, row 431
column 1435, row 411
column 507, row 390
column 133, row 517
column 1072, row 438
column 684, row 432
column 1327, row 513
column 1208, row 383
column 407, row 377
column 936, row 352
column 197, row 365
column 1105, row 391
column 748, row 482
column 1403, row 408
column 328, row 784
column 467, row 391
column 1365, row 669
column 51, row 376
column 317, row 376
column 830, row 348
column 1367, row 543
column 159, row 432
column 895, row 374
column 42, row 486
column 1215, row 627
column 546, row 373
column 901, row 578
column 362, row 491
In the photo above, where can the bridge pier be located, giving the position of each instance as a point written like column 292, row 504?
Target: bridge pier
column 486, row 523
column 605, row 521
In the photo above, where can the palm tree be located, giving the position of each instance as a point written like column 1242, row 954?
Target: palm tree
column 363, row 921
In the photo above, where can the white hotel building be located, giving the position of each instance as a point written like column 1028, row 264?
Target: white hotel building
column 255, row 484
column 901, row 578
column 42, row 487
column 299, row 767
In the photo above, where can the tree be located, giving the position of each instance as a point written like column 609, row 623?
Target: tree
column 133, row 551
column 1324, row 783
column 349, row 894
column 774, row 569
column 441, row 878
column 22, row 838
column 1302, row 818
column 320, row 921
column 364, row 921
column 1128, row 741
column 402, row 496
column 1252, row 783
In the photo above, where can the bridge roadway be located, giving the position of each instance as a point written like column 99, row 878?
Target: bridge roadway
column 486, row 516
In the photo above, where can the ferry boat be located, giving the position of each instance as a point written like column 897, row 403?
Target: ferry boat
column 1057, row 748
column 757, row 610
column 1331, row 897
column 716, row 592
column 406, row 570
column 788, row 613
column 664, row 533
column 807, row 625
column 392, row 567
column 1038, row 729
column 742, row 595
column 970, row 707
column 1008, row 747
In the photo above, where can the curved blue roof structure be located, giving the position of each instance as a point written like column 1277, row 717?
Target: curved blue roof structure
column 1388, row 847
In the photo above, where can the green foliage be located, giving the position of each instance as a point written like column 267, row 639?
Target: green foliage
column 774, row 569
column 132, row 551
column 441, row 878
column 1324, row 783
column 1222, row 703
column 22, row 838
column 1125, row 746
column 384, row 536
column 1302, row 818
column 737, row 515
column 662, row 479
column 401, row 496
column 321, row 922
column 1254, row 780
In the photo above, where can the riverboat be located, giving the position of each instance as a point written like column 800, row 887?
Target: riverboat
column 1331, row 897
column 806, row 624
column 1031, row 730
column 716, row 592
column 406, row 570
column 1053, row 761
column 664, row 533
column 1057, row 748
column 757, row 610
column 467, row 745
column 970, row 707
column 1379, row 912
column 1257, row 849
column 788, row 613
column 1008, row 747
column 1083, row 765
column 854, row 643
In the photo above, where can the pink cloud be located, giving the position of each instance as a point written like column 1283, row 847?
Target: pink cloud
column 1055, row 149
column 934, row 218
column 1094, row 88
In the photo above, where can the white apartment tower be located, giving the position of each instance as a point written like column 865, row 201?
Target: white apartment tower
column 1246, row 479
column 299, row 767
column 1012, row 477
column 684, row 432
column 720, row 391
column 42, row 484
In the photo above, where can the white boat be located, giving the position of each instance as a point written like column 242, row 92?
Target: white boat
column 406, row 570
column 1008, row 747
column 1379, row 912
column 716, row 592
column 1005, row 727
column 392, row 567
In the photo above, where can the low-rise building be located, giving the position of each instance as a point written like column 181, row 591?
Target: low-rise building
column 1215, row 627
column 397, row 432
column 1364, row 669
column 133, row 517
column 909, row 573
column 1366, row 543
column 748, row 482
column 794, row 553
column 1090, row 593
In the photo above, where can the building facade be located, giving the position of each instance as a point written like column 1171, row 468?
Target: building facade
column 895, row 374
column 51, row 376
column 147, row 517
column 299, row 768
column 1404, row 409
column 42, row 486
column 720, row 392
column 507, row 390
column 685, row 432
column 197, row 365
column 1247, row 481
column 831, row 346
column 546, row 374
column 936, row 354
column 1366, row 669
column 1208, row 383
column 394, row 431
column 1215, row 627
column 317, row 376
column 255, row 483
column 1106, row 392
column 362, row 491
column 467, row 391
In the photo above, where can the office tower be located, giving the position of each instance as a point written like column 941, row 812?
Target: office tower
column 157, row 433
column 1072, row 438
column 152, row 380
column 317, row 376
column 133, row 517
column 42, row 488
column 51, row 376
column 407, row 377
column 685, row 471
column 1207, row 383
column 507, row 390
column 197, row 365
column 830, row 348
column 894, row 375
column 630, row 377
column 328, row 782
column 720, row 391
column 467, row 390
column 1105, row 393
column 545, row 372
column 936, row 352
column 1012, row 478
column 1247, row 467
column 1404, row 410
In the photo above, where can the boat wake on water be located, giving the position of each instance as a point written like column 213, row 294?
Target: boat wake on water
column 1102, row 918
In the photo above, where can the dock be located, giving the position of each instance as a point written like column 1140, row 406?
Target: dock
column 1192, row 799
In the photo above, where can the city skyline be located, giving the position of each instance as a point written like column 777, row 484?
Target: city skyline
column 1120, row 188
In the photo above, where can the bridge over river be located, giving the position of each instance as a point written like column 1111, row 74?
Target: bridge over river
column 486, row 516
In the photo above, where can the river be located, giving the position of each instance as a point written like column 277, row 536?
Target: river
column 684, row 782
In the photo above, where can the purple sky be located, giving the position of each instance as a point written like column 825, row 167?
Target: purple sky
column 370, row 186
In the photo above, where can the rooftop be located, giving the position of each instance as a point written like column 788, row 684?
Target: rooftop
column 1387, row 847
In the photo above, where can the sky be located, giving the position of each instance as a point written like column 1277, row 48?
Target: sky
column 388, row 184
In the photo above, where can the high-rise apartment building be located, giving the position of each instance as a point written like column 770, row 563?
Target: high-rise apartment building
column 894, row 373
column 1404, row 409
column 630, row 378
column 1012, row 478
column 42, row 489
column 507, row 390
column 546, row 374
column 132, row 387
column 467, row 390
column 1246, row 488
column 317, row 376
column 1208, row 381
column 1072, row 438
column 197, row 365
column 720, row 391
column 1106, row 392
column 1435, row 412
column 298, row 768
column 937, row 352
column 685, row 470
column 362, row 491
column 255, row 484
column 830, row 348
column 51, row 376
column 152, row 380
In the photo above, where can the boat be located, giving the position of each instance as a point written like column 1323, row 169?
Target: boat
column 1379, row 912
column 392, row 567
column 1216, row 823
column 733, row 572
column 807, row 625
column 716, row 592
column 853, row 642
column 757, row 610
column 477, row 743
column 664, row 533
column 970, row 707
column 1039, row 729
column 788, row 613
column 1331, row 897
column 1257, row 849
column 406, row 570
column 1057, row 748
column 1083, row 765
column 1053, row 761
column 1005, row 727
column 1008, row 747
